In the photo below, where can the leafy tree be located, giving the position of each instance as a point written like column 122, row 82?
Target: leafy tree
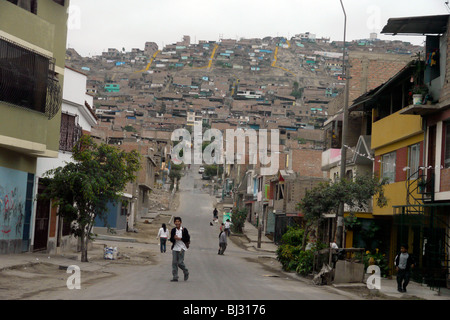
column 211, row 170
column 326, row 198
column 83, row 188
column 175, row 174
column 297, row 92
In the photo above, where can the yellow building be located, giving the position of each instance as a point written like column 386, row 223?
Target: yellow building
column 397, row 145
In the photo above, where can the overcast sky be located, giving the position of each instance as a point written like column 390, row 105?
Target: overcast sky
column 96, row 25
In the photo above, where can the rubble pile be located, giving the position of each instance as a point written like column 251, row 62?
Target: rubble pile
column 159, row 200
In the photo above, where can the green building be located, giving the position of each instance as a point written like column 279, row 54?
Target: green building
column 112, row 87
column 32, row 58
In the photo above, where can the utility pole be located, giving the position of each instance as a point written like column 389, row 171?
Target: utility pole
column 340, row 214
column 262, row 212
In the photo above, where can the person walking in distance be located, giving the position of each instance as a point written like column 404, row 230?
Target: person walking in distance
column 227, row 227
column 180, row 238
column 222, row 241
column 215, row 214
column 163, row 235
column 404, row 262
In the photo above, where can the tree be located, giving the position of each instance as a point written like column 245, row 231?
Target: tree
column 297, row 92
column 325, row 198
column 175, row 174
column 82, row 189
column 211, row 170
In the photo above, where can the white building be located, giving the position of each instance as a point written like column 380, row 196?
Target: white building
column 77, row 118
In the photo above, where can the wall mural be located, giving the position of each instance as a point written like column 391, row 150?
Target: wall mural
column 13, row 186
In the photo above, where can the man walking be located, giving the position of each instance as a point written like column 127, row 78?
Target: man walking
column 180, row 238
column 404, row 262
column 222, row 241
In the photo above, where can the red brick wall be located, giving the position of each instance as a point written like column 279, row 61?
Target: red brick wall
column 307, row 162
column 369, row 70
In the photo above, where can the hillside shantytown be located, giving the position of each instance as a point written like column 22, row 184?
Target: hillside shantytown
column 370, row 106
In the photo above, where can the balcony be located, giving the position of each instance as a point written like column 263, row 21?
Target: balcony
column 30, row 95
column 330, row 158
column 394, row 128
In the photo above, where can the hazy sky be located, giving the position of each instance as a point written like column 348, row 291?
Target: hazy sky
column 96, row 25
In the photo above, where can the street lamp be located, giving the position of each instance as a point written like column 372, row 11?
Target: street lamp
column 345, row 71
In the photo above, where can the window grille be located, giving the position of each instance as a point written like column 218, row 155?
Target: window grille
column 28, row 79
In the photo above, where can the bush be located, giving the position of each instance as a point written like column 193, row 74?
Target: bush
column 293, row 236
column 291, row 255
column 377, row 258
column 238, row 220
column 305, row 262
column 287, row 255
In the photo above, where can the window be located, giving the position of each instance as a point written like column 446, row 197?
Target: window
column 414, row 160
column 29, row 5
column 23, row 77
column 447, row 145
column 388, row 166
column 123, row 210
column 70, row 132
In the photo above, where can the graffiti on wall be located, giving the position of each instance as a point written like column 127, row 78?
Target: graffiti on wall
column 12, row 203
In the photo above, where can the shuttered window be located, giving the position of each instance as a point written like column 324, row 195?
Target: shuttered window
column 70, row 132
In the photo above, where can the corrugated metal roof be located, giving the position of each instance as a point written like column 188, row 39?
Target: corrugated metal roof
column 422, row 25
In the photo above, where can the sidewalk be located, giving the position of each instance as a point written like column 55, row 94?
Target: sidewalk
column 388, row 286
column 251, row 234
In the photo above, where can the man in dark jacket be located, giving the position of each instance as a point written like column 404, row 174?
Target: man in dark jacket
column 180, row 239
column 404, row 262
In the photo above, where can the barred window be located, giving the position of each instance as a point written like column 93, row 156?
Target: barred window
column 23, row 76
column 70, row 132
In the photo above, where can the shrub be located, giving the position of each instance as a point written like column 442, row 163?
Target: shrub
column 291, row 255
column 238, row 220
column 305, row 262
column 378, row 259
column 293, row 236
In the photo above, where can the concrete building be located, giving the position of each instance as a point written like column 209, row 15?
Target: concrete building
column 51, row 233
column 32, row 61
column 423, row 222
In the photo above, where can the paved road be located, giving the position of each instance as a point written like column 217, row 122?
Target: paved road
column 233, row 276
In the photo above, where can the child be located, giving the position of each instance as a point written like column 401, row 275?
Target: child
column 404, row 262
column 227, row 227
column 163, row 235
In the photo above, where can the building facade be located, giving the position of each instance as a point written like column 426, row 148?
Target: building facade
column 32, row 55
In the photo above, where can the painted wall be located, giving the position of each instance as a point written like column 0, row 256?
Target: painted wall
column 13, row 196
column 393, row 128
